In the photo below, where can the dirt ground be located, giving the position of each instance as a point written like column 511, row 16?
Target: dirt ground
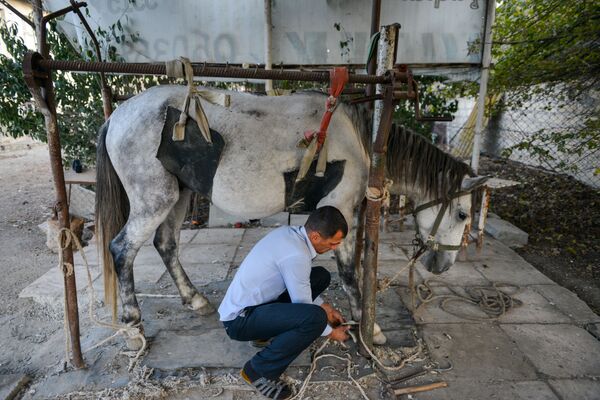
column 561, row 216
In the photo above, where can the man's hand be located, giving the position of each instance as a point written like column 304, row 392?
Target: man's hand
column 334, row 317
column 339, row 333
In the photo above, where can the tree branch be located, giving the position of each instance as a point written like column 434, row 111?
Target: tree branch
column 17, row 13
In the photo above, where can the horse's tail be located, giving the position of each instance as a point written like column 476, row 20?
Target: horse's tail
column 112, row 210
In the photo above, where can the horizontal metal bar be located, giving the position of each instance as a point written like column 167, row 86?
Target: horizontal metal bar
column 202, row 70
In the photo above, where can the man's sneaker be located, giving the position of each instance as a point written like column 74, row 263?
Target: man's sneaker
column 260, row 343
column 270, row 388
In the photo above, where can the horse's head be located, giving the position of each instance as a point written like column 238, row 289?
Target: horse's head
column 441, row 225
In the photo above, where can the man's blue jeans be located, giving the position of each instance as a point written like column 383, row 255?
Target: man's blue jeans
column 293, row 327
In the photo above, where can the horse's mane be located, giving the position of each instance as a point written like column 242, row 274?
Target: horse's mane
column 414, row 160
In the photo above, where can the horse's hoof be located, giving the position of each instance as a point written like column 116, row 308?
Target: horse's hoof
column 201, row 305
column 379, row 338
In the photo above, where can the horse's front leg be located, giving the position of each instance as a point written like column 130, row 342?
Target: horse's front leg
column 347, row 270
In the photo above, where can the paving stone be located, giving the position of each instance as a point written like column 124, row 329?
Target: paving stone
column 568, row 303
column 201, row 274
column 10, row 385
column 535, row 309
column 462, row 273
column 389, row 269
column 492, row 250
column 207, row 253
column 147, row 255
column 482, row 352
column 194, row 349
column 560, row 351
column 148, row 273
column 432, row 313
column 82, row 202
column 516, row 272
column 253, row 235
column 168, row 314
column 278, row 219
column 467, row 389
column 91, row 254
column 218, row 236
column 218, row 218
column 390, row 251
column 403, row 238
column 49, row 288
column 580, row 389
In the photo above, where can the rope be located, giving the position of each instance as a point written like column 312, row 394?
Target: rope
column 65, row 238
column 490, row 299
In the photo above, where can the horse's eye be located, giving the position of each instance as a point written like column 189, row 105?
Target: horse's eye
column 462, row 215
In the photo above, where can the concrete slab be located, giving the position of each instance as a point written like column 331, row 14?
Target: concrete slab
column 82, row 202
column 148, row 273
column 535, row 309
column 11, row 384
column 390, row 251
column 194, row 349
column 516, row 272
column 298, row 219
column 580, row 389
column 49, row 288
column 185, row 236
column 207, row 253
column 568, row 302
column 492, row 250
column 166, row 314
column 559, row 351
column 389, row 268
column 147, row 255
column 506, row 232
column 231, row 236
column 219, row 218
column 460, row 274
column 91, row 254
column 403, row 238
column 467, row 389
column 278, row 219
column 482, row 352
column 202, row 274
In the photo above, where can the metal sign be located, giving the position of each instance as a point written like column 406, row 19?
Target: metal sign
column 308, row 32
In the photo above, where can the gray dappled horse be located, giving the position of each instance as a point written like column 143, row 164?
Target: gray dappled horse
column 144, row 179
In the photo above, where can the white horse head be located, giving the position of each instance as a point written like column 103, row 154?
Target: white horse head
column 445, row 240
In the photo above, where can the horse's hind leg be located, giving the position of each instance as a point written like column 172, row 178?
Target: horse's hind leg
column 166, row 242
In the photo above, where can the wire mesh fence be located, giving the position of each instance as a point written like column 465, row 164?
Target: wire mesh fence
column 551, row 132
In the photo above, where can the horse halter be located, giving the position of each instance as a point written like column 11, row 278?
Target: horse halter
column 431, row 243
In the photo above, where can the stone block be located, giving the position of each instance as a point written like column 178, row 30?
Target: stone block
column 219, row 218
column 580, row 389
column 173, row 350
column 516, row 272
column 218, row 236
column 568, row 302
column 482, row 352
column 11, row 384
column 467, row 389
column 559, row 351
column 49, row 288
column 82, row 202
column 278, row 219
column 201, row 274
column 506, row 232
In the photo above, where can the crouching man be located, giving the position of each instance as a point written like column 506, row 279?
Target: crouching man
column 274, row 300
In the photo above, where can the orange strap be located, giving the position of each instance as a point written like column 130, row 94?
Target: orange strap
column 338, row 78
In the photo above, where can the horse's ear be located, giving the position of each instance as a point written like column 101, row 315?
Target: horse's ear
column 470, row 183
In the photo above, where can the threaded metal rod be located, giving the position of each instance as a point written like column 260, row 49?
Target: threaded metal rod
column 203, row 70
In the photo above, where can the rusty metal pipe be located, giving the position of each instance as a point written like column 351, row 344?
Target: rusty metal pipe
column 202, row 70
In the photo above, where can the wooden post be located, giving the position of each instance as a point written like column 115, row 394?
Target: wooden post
column 46, row 102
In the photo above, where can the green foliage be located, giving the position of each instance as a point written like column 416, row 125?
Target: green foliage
column 78, row 95
column 436, row 99
column 550, row 51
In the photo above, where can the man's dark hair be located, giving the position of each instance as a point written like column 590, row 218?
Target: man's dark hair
column 327, row 221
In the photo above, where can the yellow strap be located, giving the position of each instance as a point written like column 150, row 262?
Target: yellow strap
column 192, row 106
column 307, row 159
column 322, row 162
